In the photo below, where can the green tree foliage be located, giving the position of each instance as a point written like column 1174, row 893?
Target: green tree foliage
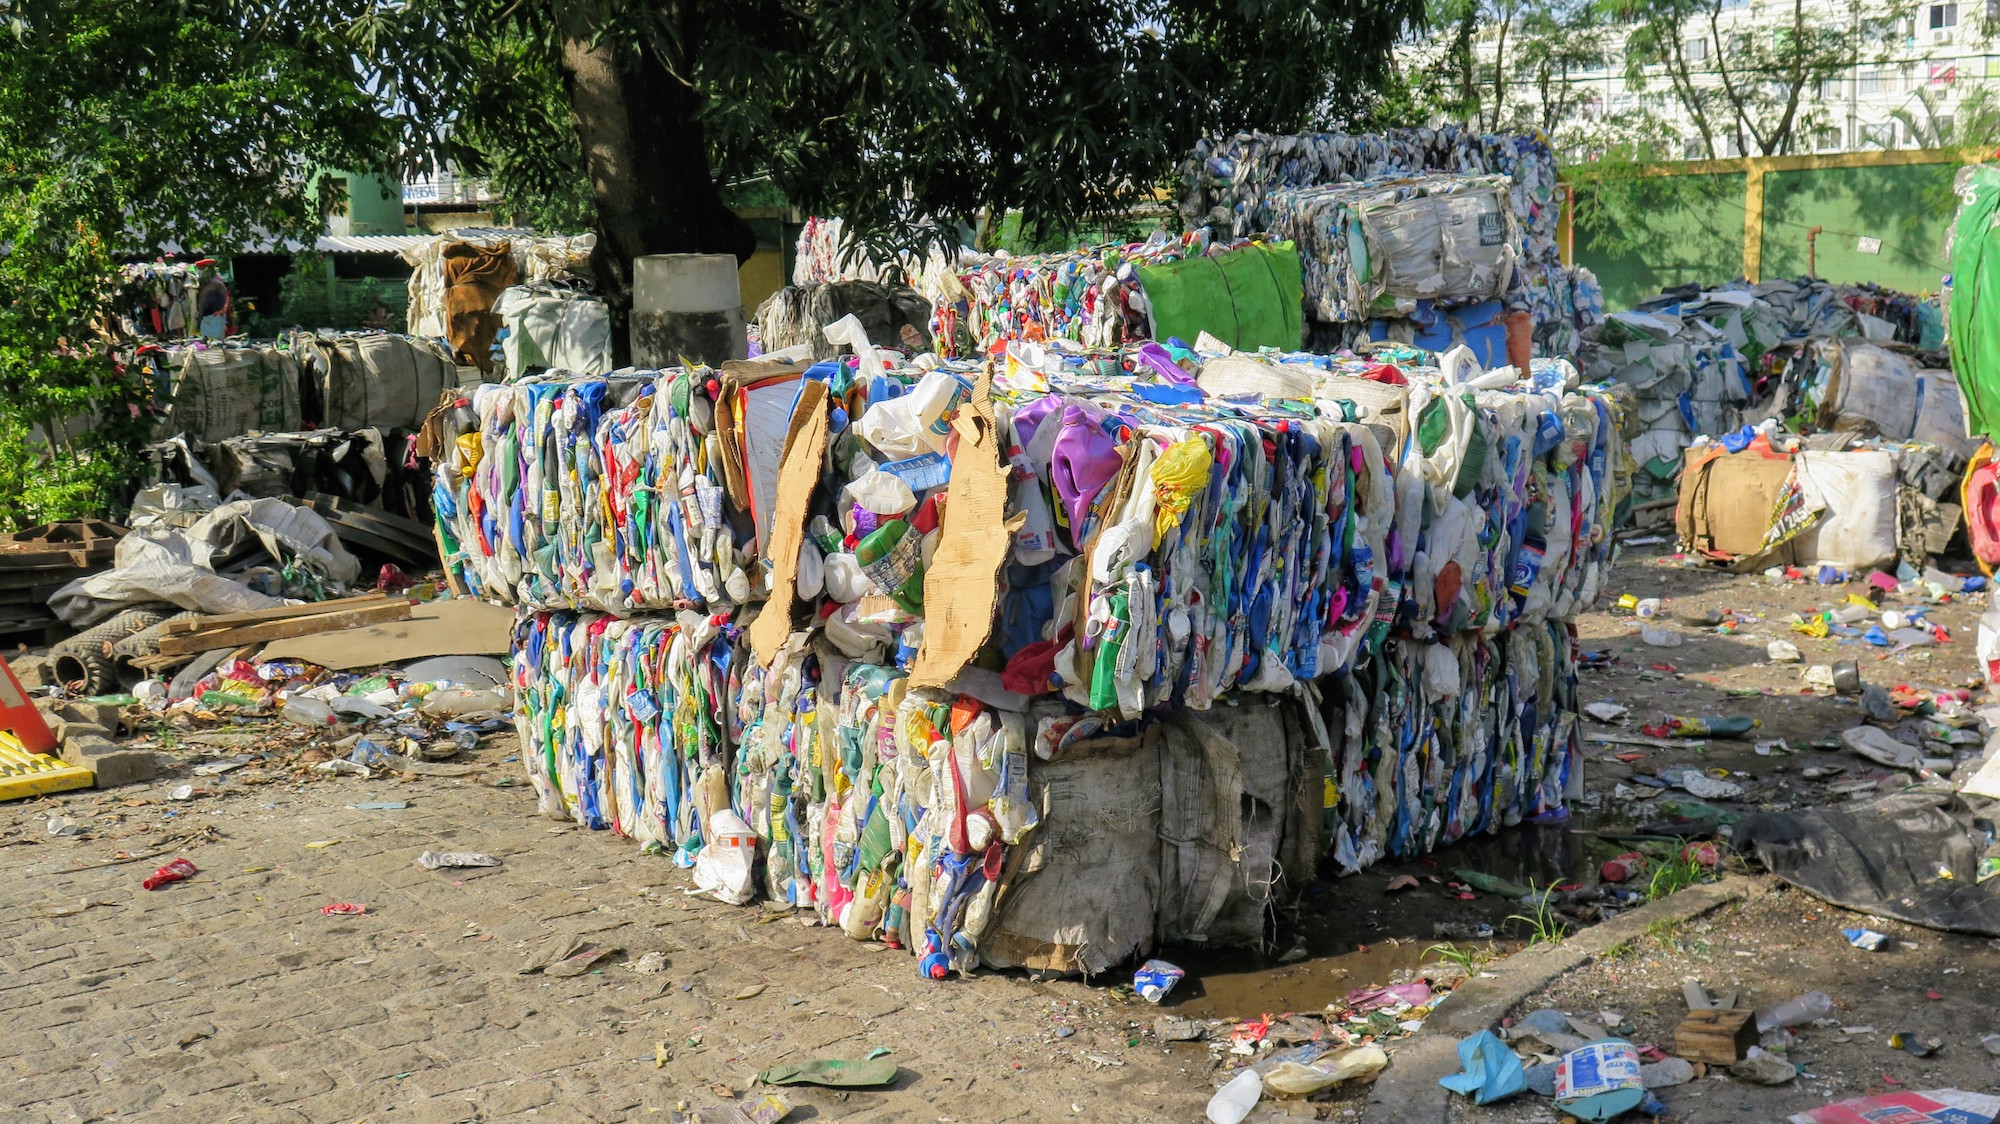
column 893, row 115
column 127, row 126
column 1479, row 61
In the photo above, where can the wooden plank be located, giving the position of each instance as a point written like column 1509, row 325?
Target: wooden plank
column 283, row 629
column 1641, row 739
column 281, row 612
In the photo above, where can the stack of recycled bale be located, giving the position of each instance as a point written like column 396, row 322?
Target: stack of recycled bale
column 1045, row 660
column 1244, row 293
column 1249, row 182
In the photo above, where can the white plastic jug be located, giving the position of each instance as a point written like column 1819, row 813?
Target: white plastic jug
column 1233, row 1101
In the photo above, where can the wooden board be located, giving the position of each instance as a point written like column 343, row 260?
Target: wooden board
column 189, row 645
column 1716, row 1036
column 457, row 627
column 281, row 612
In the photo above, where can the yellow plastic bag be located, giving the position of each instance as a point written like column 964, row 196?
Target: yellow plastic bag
column 1178, row 474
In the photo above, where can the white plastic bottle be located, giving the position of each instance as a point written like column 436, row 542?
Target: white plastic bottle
column 308, row 712
column 1795, row 1011
column 1233, row 1101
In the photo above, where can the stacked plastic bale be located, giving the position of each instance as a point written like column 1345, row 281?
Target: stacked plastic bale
column 1245, row 292
column 1147, row 543
column 1424, row 260
column 1689, row 379
column 1465, row 719
column 1232, row 183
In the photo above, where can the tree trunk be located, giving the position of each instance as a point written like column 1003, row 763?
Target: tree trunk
column 1468, row 87
column 647, row 158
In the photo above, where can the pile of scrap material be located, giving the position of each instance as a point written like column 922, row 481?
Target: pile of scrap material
column 379, row 477
column 191, row 552
column 798, row 316
column 457, row 280
column 1253, row 182
column 38, row 561
column 1831, row 501
column 1707, row 362
column 943, row 650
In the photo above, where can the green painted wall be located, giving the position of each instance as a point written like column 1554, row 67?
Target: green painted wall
column 374, row 203
column 1908, row 208
column 1668, row 231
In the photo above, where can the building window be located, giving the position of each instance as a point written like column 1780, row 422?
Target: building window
column 1943, row 16
column 1879, row 136
column 1693, row 149
column 1696, row 50
column 1870, row 82
column 1943, row 75
column 1944, row 128
column 1826, row 140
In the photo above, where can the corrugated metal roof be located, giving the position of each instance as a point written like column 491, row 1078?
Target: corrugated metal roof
column 397, row 243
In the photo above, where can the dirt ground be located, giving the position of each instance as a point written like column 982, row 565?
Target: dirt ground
column 231, row 996
column 1927, row 984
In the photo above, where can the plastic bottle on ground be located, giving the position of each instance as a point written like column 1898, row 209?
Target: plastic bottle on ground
column 1795, row 1011
column 308, row 712
column 458, row 700
column 1233, row 1101
column 1732, row 727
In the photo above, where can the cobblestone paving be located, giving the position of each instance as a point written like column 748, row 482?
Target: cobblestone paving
column 231, row 997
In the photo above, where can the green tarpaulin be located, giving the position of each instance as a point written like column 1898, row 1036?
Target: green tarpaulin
column 1975, row 298
column 1248, row 298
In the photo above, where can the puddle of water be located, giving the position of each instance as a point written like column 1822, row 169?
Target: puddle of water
column 1539, row 853
column 1359, row 935
column 1236, row 986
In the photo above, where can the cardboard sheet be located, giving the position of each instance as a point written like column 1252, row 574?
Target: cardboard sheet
column 457, row 627
column 805, row 449
column 1938, row 1106
column 964, row 576
column 753, row 412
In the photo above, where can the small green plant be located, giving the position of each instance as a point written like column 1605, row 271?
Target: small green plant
column 1463, row 957
column 1544, row 924
column 1664, row 930
column 1674, row 875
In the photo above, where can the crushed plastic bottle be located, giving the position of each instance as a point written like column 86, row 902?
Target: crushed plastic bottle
column 1795, row 1011
column 1733, row 727
column 308, row 712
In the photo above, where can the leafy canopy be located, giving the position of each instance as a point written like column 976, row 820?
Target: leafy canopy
column 885, row 111
column 126, row 129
